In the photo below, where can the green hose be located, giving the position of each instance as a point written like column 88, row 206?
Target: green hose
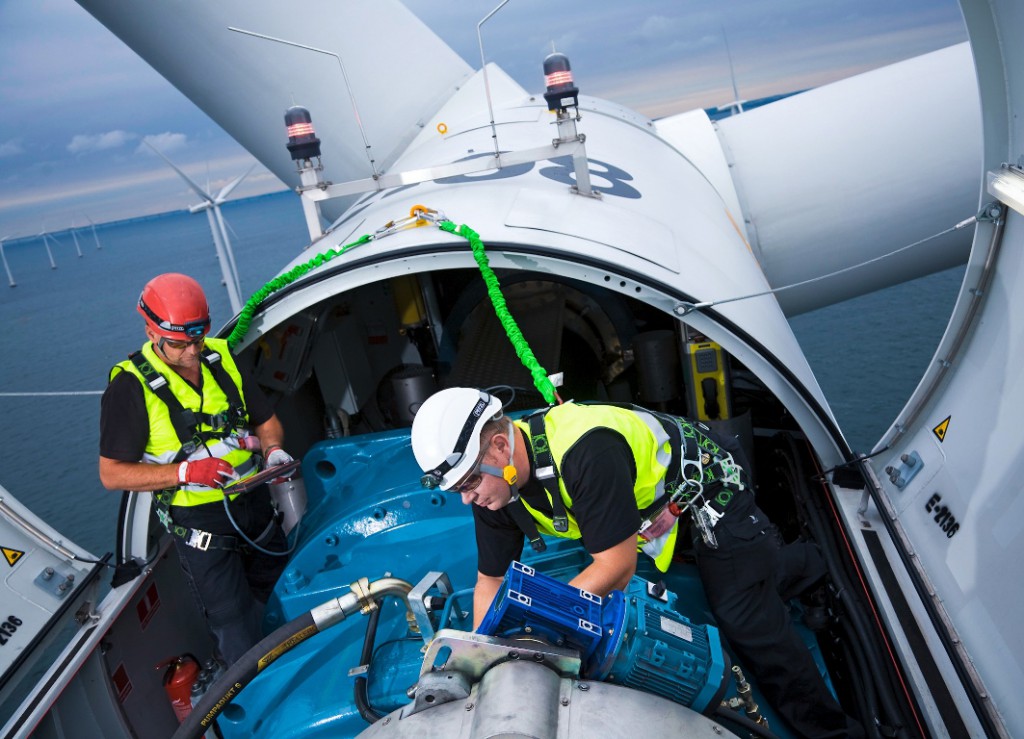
column 249, row 309
column 519, row 343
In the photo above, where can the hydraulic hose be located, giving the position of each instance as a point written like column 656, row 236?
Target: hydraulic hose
column 727, row 714
column 361, row 597
column 892, row 713
column 369, row 714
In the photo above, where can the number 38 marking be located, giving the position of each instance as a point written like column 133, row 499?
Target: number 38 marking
column 943, row 517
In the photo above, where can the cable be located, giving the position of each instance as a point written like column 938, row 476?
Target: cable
column 710, row 303
column 752, row 726
column 285, row 638
column 899, row 715
column 368, row 712
column 253, row 544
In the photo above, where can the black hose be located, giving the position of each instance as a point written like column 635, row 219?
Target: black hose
column 879, row 668
column 368, row 712
column 241, row 673
column 866, row 701
column 745, row 723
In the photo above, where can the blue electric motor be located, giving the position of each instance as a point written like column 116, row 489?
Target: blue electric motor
column 632, row 639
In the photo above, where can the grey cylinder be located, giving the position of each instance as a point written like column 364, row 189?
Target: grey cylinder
column 657, row 365
column 412, row 386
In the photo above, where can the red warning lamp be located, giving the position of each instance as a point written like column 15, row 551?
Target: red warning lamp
column 561, row 92
column 302, row 140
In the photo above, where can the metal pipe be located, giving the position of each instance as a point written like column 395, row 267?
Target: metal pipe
column 483, row 68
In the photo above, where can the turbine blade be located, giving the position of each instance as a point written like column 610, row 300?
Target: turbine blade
column 198, row 190
column 226, row 190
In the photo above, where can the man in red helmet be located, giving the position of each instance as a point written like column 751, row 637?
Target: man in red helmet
column 181, row 419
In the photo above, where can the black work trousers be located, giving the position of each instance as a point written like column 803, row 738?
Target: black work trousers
column 231, row 587
column 744, row 579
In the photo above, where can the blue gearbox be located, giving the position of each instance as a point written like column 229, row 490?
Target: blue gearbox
column 630, row 638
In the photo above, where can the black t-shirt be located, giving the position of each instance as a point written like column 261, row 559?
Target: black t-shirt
column 124, row 423
column 599, row 473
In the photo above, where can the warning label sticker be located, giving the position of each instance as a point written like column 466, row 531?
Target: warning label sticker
column 12, row 555
column 940, row 430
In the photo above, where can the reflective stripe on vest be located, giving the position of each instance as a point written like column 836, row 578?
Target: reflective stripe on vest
column 566, row 424
column 163, row 444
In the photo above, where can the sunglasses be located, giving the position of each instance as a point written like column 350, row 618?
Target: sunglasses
column 180, row 345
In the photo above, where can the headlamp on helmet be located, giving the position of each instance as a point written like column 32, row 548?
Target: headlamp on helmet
column 446, row 434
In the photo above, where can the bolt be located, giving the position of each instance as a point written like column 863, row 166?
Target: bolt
column 905, row 458
column 583, row 686
column 331, row 541
column 538, row 657
column 469, row 706
column 513, row 655
column 565, row 701
column 47, row 573
column 387, row 720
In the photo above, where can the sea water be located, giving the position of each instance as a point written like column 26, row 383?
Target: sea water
column 64, row 329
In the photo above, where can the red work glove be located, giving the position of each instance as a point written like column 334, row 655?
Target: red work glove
column 212, row 472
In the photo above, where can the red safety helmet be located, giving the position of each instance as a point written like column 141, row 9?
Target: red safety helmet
column 175, row 307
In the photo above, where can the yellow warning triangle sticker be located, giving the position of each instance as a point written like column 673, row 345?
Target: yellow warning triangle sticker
column 12, row 555
column 940, row 430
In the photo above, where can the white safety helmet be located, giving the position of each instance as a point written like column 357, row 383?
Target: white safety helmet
column 446, row 433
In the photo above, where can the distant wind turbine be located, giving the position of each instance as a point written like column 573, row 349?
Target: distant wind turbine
column 3, row 255
column 75, row 239
column 736, row 105
column 46, row 243
column 94, row 236
column 211, row 204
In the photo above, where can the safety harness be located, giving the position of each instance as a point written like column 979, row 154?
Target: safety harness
column 187, row 424
column 701, row 476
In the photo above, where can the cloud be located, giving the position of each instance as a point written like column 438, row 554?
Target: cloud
column 87, row 143
column 165, row 142
column 11, row 148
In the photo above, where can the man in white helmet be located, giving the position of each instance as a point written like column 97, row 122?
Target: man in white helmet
column 605, row 474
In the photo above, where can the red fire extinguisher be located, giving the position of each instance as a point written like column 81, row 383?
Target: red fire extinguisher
column 178, row 679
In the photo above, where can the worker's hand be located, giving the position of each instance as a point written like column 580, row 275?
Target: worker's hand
column 278, row 456
column 212, row 472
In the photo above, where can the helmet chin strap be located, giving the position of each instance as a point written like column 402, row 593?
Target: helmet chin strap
column 508, row 472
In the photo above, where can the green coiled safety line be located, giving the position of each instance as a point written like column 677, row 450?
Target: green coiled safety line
column 522, row 348
column 519, row 343
column 249, row 309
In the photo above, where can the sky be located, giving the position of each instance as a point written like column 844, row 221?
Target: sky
column 77, row 106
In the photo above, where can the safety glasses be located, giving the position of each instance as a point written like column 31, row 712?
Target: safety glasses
column 180, row 345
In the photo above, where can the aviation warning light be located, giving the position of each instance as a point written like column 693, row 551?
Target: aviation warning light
column 302, row 140
column 561, row 92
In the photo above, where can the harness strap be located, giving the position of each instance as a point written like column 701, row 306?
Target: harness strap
column 238, row 415
column 204, row 540
column 547, row 471
column 183, row 420
column 187, row 422
column 527, row 525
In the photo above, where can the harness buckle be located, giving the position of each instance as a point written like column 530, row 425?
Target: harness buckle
column 545, row 473
column 199, row 540
column 560, row 524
